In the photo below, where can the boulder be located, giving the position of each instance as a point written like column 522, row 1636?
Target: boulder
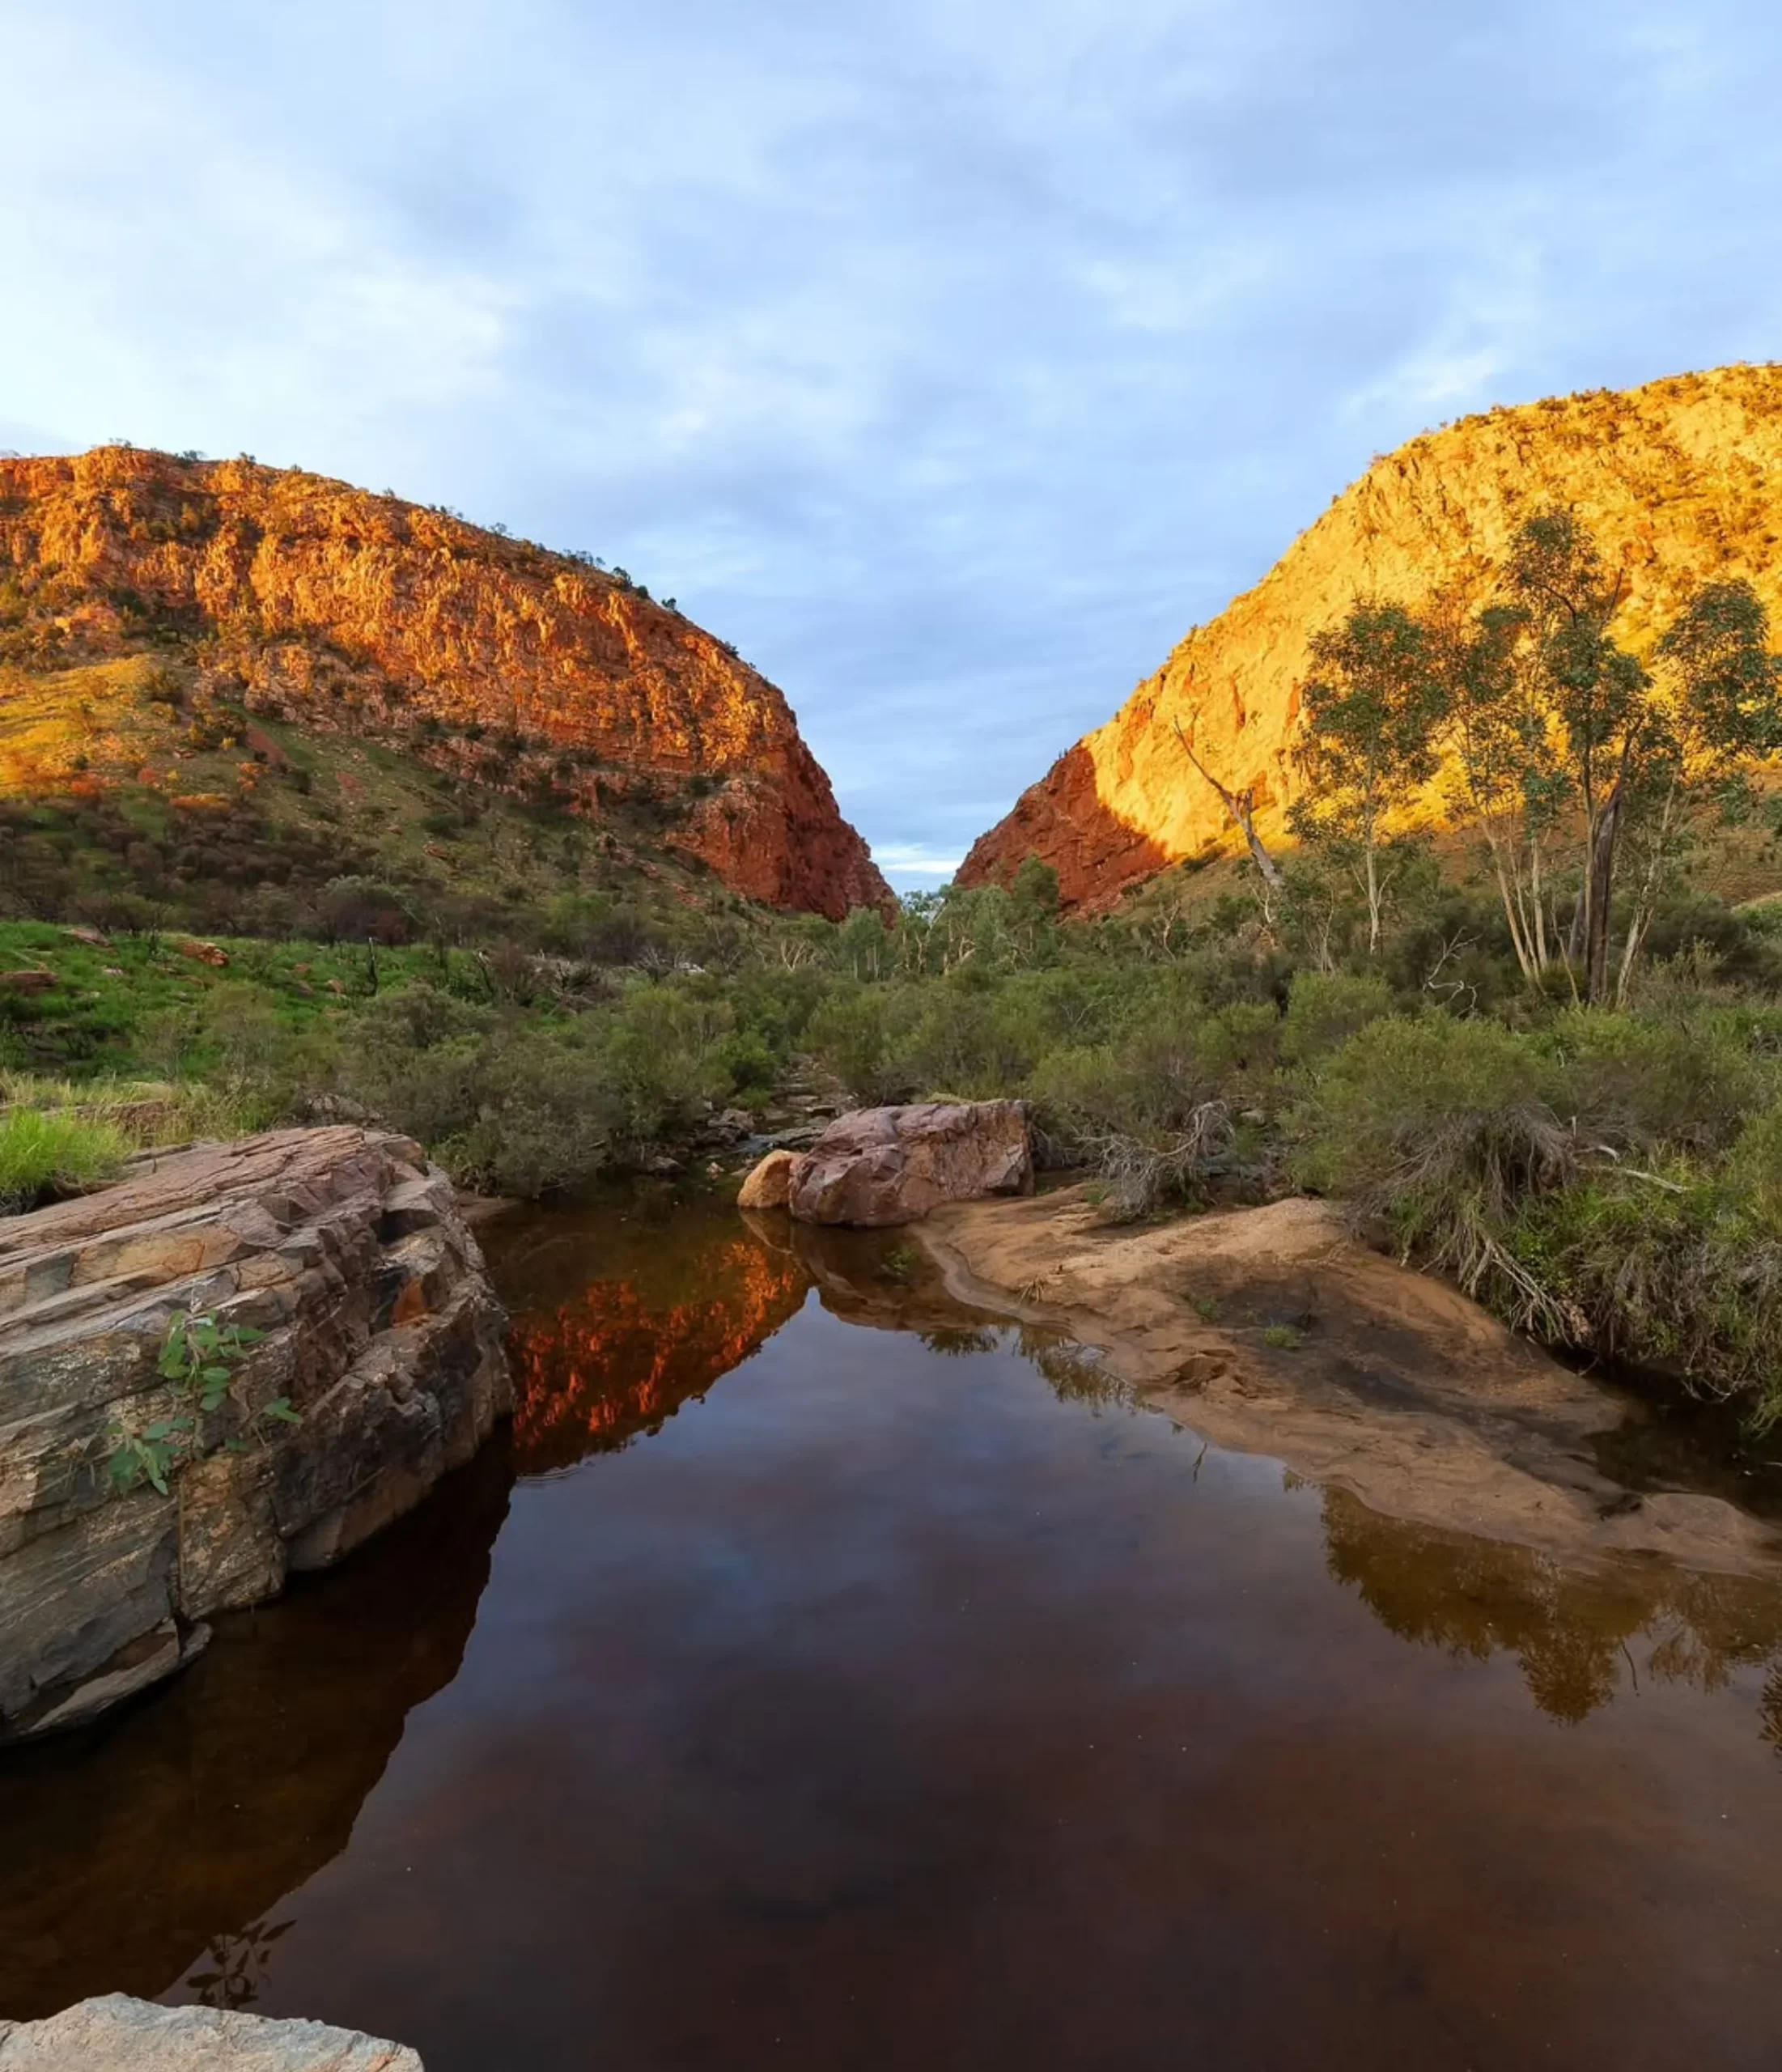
column 345, row 1249
column 203, row 953
column 886, row 1165
column 99, row 2035
column 770, row 1182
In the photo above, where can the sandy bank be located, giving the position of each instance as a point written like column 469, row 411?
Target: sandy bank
column 1270, row 1331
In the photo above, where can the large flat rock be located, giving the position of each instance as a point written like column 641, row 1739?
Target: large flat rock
column 117, row 2032
column 345, row 1249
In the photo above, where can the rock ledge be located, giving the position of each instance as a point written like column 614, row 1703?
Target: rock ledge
column 116, row 2031
column 345, row 1248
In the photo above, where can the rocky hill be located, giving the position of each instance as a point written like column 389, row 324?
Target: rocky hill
column 271, row 596
column 1679, row 480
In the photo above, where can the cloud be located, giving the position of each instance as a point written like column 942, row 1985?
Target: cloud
column 952, row 360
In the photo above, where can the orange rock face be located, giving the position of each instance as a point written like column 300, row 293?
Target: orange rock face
column 344, row 611
column 1680, row 481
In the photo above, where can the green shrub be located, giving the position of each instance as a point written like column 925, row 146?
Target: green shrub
column 1675, row 1270
column 1644, row 1083
column 44, row 1154
column 1442, row 1130
column 1326, row 1008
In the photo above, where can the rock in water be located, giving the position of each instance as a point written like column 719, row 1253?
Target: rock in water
column 886, row 1165
column 117, row 2032
column 769, row 1183
column 382, row 1331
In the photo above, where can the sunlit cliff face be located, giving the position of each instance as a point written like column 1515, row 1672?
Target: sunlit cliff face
column 1679, row 481
column 616, row 1361
column 513, row 667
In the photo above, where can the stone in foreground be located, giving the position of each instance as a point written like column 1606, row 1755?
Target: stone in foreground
column 117, row 2032
column 346, row 1250
column 887, row 1166
column 769, row 1183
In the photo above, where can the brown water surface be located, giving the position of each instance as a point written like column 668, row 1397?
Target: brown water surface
column 826, row 1677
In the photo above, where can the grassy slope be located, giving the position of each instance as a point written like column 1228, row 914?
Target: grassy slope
column 106, row 733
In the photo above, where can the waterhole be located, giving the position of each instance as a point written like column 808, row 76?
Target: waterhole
column 823, row 1676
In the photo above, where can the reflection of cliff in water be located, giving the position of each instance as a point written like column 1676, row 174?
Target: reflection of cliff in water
column 1580, row 1635
column 616, row 1325
column 164, row 1839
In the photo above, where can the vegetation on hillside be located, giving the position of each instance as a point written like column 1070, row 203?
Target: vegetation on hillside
column 1587, row 1138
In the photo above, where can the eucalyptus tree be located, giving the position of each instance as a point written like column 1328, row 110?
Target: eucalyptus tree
column 1370, row 712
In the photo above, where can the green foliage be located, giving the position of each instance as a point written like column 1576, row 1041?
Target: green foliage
column 44, row 1154
column 1368, row 740
column 1326, row 1008
column 199, row 1358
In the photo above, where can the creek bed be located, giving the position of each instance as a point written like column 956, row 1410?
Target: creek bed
column 823, row 1675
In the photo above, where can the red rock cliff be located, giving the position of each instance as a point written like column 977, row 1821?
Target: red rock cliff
column 342, row 610
column 1681, row 482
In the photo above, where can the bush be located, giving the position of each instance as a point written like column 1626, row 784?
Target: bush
column 43, row 1154
column 1443, row 1131
column 1641, row 1083
column 1326, row 1008
column 1672, row 1270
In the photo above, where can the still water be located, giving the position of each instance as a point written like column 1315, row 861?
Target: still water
column 823, row 1677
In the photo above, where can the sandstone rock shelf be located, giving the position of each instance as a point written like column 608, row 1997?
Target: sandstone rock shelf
column 345, row 1249
column 116, row 2031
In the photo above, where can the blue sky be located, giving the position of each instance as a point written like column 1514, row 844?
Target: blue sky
column 952, row 359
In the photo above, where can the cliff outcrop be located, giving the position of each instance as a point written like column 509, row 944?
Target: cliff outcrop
column 1680, row 481
column 376, row 1327
column 539, row 674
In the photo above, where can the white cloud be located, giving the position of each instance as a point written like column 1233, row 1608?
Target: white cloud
column 951, row 357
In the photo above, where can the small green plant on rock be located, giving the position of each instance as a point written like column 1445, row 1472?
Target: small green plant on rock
column 199, row 1356
column 1284, row 1338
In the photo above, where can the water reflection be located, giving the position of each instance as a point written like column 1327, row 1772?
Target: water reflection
column 619, row 1322
column 163, row 1839
column 895, row 1699
column 1581, row 1637
column 621, row 1355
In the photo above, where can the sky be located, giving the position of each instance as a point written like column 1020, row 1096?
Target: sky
column 951, row 357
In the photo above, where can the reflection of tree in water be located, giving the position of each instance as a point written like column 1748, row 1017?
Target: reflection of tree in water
column 1075, row 1376
column 960, row 1341
column 238, row 1962
column 1574, row 1631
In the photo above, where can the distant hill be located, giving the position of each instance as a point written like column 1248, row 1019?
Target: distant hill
column 188, row 645
column 1679, row 480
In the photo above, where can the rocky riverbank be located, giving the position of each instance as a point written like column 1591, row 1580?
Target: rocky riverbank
column 1272, row 1331
column 116, row 2031
column 363, row 1359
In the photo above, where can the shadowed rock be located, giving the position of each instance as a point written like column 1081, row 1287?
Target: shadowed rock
column 345, row 1249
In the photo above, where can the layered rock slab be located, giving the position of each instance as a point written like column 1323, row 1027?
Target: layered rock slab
column 881, row 1167
column 117, row 2032
column 381, row 1329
